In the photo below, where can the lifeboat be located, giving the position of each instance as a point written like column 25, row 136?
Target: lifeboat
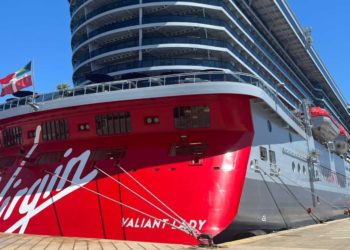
column 324, row 126
column 341, row 141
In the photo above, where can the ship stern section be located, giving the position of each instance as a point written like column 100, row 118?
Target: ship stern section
column 178, row 173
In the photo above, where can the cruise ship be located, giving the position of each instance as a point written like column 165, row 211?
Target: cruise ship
column 192, row 122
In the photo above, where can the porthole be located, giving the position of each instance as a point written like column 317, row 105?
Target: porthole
column 269, row 126
column 293, row 167
column 272, row 155
column 304, row 170
column 252, row 166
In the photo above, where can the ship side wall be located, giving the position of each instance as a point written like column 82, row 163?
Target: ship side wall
column 286, row 190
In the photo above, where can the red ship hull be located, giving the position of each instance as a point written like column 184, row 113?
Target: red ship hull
column 66, row 194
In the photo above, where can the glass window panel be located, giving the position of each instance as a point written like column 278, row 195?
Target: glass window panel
column 192, row 117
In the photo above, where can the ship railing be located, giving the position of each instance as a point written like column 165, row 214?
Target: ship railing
column 154, row 81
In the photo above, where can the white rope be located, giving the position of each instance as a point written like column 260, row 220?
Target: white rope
column 284, row 186
column 138, row 195
column 149, row 192
column 120, row 203
column 195, row 233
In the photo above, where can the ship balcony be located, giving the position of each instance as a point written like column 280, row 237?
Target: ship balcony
column 212, row 13
column 110, row 32
column 223, row 55
column 84, row 38
column 116, row 10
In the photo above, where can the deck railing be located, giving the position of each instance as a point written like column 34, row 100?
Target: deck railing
column 153, row 82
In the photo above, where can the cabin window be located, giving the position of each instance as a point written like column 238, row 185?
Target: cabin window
column 31, row 134
column 12, row 136
column 7, row 162
column 299, row 169
column 197, row 149
column 293, row 167
column 55, row 130
column 316, row 173
column 269, row 126
column 108, row 154
column 272, row 155
column 49, row 158
column 192, row 117
column 113, row 123
column 263, row 153
column 304, row 170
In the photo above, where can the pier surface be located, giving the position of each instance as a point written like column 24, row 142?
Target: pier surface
column 332, row 235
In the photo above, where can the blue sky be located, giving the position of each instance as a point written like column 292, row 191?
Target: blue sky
column 331, row 34
column 39, row 30
column 36, row 30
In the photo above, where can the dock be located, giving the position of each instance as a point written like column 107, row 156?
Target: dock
column 331, row 235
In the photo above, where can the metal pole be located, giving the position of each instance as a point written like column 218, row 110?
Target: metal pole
column 33, row 80
column 206, row 34
column 140, row 31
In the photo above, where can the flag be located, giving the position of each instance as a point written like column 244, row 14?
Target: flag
column 17, row 81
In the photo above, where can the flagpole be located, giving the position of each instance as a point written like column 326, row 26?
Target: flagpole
column 33, row 80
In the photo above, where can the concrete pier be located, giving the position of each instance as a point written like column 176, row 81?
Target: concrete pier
column 332, row 235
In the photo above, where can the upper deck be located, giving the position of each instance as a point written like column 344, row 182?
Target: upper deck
column 152, row 37
column 214, row 82
column 285, row 29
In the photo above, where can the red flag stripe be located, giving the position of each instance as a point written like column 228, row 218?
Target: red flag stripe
column 6, row 90
column 7, row 79
column 20, row 84
column 24, row 82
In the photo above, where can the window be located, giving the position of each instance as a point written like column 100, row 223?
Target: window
column 269, row 126
column 113, row 123
column 12, row 136
column 272, row 156
column 55, row 130
column 185, row 149
column 192, row 117
column 299, row 169
column 290, row 138
column 293, row 167
column 7, row 162
column 49, row 158
column 304, row 170
column 31, row 134
column 263, row 153
column 108, row 154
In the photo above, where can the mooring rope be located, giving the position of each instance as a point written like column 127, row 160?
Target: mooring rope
column 121, row 203
column 159, row 200
column 288, row 191
column 147, row 201
column 321, row 198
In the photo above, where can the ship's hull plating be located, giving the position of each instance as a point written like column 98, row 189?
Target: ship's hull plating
column 69, row 195
column 79, row 193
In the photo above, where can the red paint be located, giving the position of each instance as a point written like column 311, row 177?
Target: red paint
column 209, row 191
column 343, row 132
